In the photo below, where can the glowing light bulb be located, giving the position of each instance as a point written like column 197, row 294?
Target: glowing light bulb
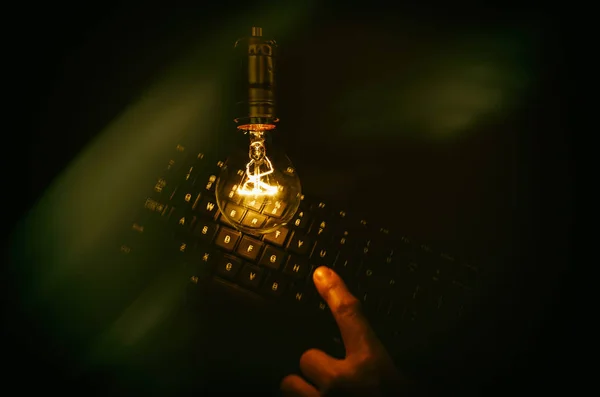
column 258, row 189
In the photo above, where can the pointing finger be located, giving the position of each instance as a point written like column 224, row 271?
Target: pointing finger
column 354, row 328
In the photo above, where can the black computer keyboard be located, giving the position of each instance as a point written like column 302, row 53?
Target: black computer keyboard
column 412, row 294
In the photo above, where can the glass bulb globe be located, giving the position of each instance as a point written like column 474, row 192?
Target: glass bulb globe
column 258, row 189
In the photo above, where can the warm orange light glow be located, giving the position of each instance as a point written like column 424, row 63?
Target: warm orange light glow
column 256, row 180
column 256, row 127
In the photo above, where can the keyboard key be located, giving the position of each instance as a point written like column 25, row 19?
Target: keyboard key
column 205, row 230
column 249, row 248
column 322, row 255
column 300, row 221
column 387, row 260
column 436, row 280
column 253, row 203
column 321, row 229
column 185, row 198
column 407, row 279
column 180, row 220
column 319, row 208
column 369, row 279
column 362, row 229
column 183, row 246
column 322, row 305
column 200, row 262
column 228, row 267
column 187, row 173
column 386, row 307
column 250, row 276
column 206, row 256
column 164, row 188
column 405, row 248
column 234, row 212
column 178, row 157
column 254, row 219
column 300, row 244
column 272, row 257
column 193, row 172
column 227, row 238
column 296, row 267
column 211, row 183
column 369, row 301
column 178, row 217
column 278, row 236
column 364, row 252
column 231, row 192
column 390, row 284
column 137, row 235
column 298, row 295
column 275, row 285
column 342, row 240
column 274, row 208
column 156, row 207
column 207, row 207
column 345, row 266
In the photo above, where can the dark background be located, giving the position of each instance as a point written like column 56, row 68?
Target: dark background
column 490, row 179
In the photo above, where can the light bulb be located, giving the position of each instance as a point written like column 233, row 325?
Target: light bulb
column 258, row 189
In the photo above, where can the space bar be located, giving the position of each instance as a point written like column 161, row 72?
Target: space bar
column 234, row 291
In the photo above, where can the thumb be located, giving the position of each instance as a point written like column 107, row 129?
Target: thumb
column 354, row 328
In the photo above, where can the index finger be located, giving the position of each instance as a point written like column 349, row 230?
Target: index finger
column 354, row 327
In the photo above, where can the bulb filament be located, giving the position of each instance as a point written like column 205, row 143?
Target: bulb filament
column 256, row 178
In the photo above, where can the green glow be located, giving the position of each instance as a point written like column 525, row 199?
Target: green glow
column 62, row 280
column 467, row 82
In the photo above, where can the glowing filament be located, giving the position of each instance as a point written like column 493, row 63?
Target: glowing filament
column 258, row 169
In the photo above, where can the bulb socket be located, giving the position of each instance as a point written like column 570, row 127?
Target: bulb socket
column 255, row 99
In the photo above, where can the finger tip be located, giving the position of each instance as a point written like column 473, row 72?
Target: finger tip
column 322, row 274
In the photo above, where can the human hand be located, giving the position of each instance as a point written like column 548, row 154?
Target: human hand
column 367, row 369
